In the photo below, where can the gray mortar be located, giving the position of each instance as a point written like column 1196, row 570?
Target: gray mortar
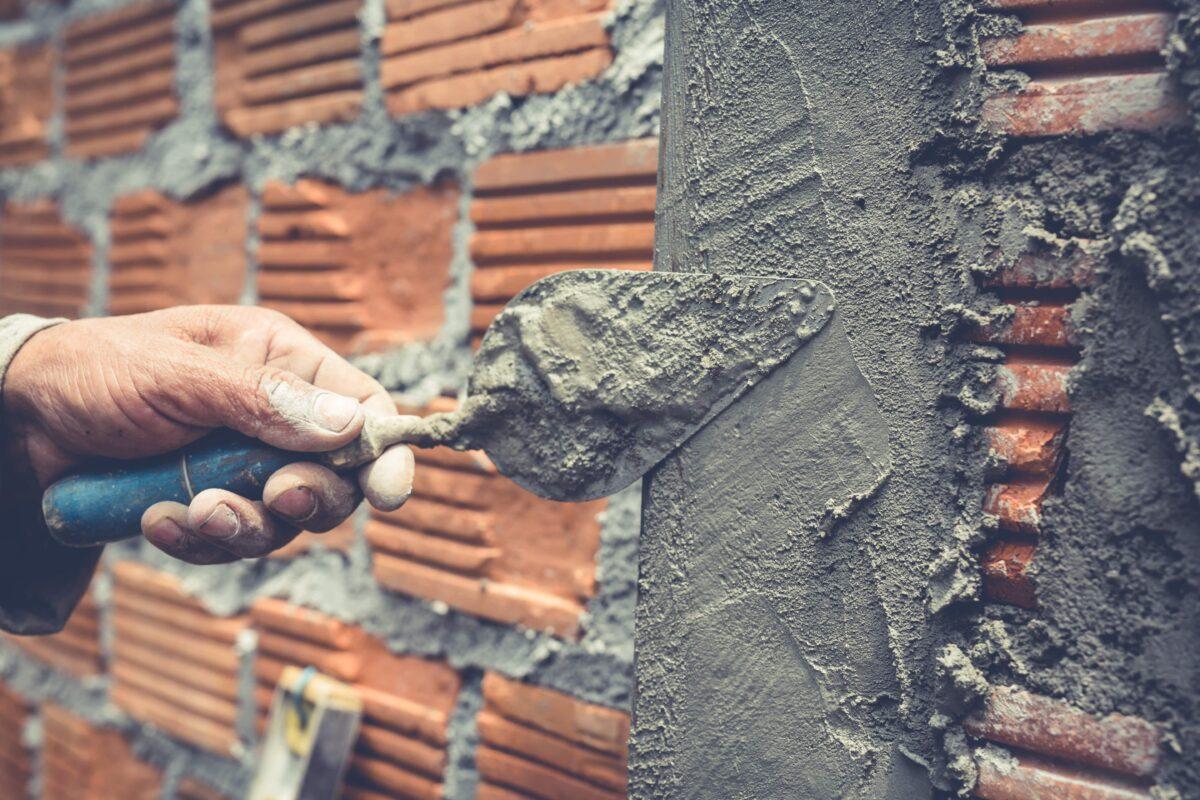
column 192, row 156
column 462, row 776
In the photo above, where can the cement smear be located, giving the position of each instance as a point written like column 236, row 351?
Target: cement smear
column 589, row 378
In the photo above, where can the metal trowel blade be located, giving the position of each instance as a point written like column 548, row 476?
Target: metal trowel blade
column 589, row 378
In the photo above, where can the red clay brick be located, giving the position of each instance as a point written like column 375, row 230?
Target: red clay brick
column 91, row 763
column 1033, row 778
column 1042, row 270
column 1027, row 383
column 1083, row 40
column 478, row 542
column 543, row 743
column 1018, row 504
column 1004, row 574
column 1055, row 729
column 167, row 253
column 16, row 760
column 26, row 100
column 1028, row 444
column 282, row 63
column 444, row 55
column 364, row 271
column 74, row 650
column 1039, row 325
column 545, row 212
column 406, row 700
column 175, row 665
column 120, row 78
column 1086, row 105
column 192, row 789
column 46, row 265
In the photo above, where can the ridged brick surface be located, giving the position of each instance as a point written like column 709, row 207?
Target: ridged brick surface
column 281, row 63
column 167, row 253
column 1062, row 753
column 542, row 744
column 449, row 54
column 175, row 664
column 16, row 760
column 407, row 701
column 76, row 648
column 362, row 271
column 45, row 264
column 26, row 103
column 544, row 212
column 120, row 78
column 1096, row 67
column 476, row 541
column 84, row 762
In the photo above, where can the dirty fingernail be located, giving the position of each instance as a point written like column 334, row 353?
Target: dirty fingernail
column 165, row 532
column 334, row 411
column 298, row 504
column 222, row 523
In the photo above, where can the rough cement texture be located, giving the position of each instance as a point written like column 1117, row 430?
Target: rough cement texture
column 192, row 156
column 587, row 379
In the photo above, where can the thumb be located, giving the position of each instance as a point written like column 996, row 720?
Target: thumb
column 281, row 409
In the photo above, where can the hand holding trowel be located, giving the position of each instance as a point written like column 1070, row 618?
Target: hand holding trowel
column 583, row 383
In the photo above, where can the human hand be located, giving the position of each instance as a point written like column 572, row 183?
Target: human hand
column 128, row 387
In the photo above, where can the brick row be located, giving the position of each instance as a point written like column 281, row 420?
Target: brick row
column 26, row 84
column 167, row 253
column 16, row 760
column 76, row 648
column 476, row 541
column 175, row 665
column 1096, row 68
column 536, row 742
column 1039, row 270
column 281, row 63
column 441, row 56
column 362, row 271
column 544, row 212
column 120, row 73
column 85, row 762
column 45, row 264
column 401, row 747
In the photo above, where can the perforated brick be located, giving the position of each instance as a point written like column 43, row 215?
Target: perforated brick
column 16, row 760
column 76, row 648
column 476, row 541
column 175, row 664
column 167, row 253
column 362, row 271
column 1061, row 751
column 538, row 743
column 120, row 81
column 281, row 63
column 26, row 103
column 84, row 762
column 442, row 54
column 45, row 264
column 407, row 701
column 1095, row 67
column 544, row 212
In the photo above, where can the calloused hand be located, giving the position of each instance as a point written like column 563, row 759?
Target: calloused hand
column 127, row 387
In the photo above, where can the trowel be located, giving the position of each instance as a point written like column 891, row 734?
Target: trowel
column 583, row 383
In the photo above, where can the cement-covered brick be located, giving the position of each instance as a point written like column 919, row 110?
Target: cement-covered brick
column 120, row 78
column 286, row 62
column 364, row 271
column 165, row 253
column 45, row 264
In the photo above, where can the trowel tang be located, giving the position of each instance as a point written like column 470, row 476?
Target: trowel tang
column 106, row 505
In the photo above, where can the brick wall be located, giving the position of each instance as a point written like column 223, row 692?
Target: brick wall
column 306, row 162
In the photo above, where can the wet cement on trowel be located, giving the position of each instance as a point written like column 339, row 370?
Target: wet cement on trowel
column 589, row 378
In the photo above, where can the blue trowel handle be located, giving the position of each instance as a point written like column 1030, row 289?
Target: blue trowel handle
column 106, row 503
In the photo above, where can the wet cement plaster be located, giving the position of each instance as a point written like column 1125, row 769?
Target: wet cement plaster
column 194, row 155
